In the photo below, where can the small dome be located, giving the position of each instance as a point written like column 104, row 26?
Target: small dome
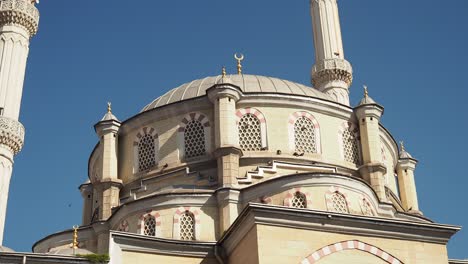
column 405, row 155
column 4, row 249
column 247, row 84
column 70, row 252
column 366, row 101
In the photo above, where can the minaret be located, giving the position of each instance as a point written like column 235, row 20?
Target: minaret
column 331, row 74
column 19, row 20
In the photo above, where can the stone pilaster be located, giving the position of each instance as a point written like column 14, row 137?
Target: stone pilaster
column 228, row 203
column 331, row 74
column 373, row 170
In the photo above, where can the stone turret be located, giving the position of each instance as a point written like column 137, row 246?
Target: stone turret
column 19, row 20
column 405, row 170
column 368, row 113
column 108, row 186
column 331, row 74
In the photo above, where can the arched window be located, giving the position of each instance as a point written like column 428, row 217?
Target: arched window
column 299, row 200
column 146, row 153
column 194, row 139
column 187, row 226
column 149, row 226
column 339, row 203
column 250, row 133
column 145, row 150
column 304, row 136
column 350, row 146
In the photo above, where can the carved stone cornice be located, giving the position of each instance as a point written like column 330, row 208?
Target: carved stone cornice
column 19, row 12
column 11, row 134
column 332, row 70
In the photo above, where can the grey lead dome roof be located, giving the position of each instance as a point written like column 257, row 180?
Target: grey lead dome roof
column 247, row 83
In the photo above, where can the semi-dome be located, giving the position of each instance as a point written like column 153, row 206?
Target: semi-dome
column 247, row 84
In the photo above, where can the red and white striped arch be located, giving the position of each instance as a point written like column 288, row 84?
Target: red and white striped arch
column 141, row 133
column 179, row 212
column 141, row 222
column 261, row 118
column 290, row 195
column 292, row 120
column 350, row 245
column 355, row 130
column 199, row 117
column 328, row 198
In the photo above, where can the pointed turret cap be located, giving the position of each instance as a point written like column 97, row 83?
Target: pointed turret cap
column 109, row 116
column 403, row 153
column 367, row 100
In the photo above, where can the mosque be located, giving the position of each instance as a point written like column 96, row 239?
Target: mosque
column 235, row 168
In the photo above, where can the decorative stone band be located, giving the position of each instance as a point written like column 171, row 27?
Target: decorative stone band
column 332, row 70
column 11, row 134
column 19, row 12
column 350, row 245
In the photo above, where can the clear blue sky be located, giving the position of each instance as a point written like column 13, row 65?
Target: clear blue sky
column 411, row 54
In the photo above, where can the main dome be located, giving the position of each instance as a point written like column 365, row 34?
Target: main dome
column 247, row 84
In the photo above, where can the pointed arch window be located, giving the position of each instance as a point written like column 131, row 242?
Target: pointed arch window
column 304, row 136
column 187, row 226
column 250, row 133
column 146, row 153
column 350, row 146
column 339, row 203
column 299, row 200
column 149, row 225
column 194, row 139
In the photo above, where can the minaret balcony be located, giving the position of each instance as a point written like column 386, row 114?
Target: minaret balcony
column 11, row 134
column 20, row 12
column 332, row 70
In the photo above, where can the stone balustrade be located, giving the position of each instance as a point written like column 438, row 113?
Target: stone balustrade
column 11, row 134
column 20, row 12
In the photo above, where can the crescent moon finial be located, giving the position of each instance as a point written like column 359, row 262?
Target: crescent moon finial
column 239, row 58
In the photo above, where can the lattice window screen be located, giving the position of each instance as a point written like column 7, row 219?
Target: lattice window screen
column 250, row 135
column 351, row 148
column 339, row 203
column 146, row 153
column 299, row 200
column 187, row 226
column 304, row 136
column 194, row 139
column 149, row 226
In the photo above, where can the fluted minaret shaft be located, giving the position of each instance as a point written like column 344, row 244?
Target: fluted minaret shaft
column 331, row 74
column 18, row 23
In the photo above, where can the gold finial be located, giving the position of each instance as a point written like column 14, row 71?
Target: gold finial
column 366, row 92
column 109, row 107
column 239, row 59
column 402, row 146
column 75, row 237
column 223, row 72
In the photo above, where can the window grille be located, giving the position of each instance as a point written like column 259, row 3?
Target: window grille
column 194, row 139
column 299, row 200
column 149, row 228
column 339, row 203
column 187, row 226
column 250, row 136
column 146, row 153
column 304, row 136
column 350, row 145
